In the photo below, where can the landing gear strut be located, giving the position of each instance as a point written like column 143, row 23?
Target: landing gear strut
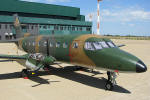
column 24, row 73
column 111, row 80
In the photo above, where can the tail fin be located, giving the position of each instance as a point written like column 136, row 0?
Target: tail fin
column 17, row 26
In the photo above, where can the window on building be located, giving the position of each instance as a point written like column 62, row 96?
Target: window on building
column 14, row 35
column 48, row 26
column 65, row 28
column 0, row 26
column 77, row 29
column 40, row 26
column 10, row 35
column 55, row 27
column 80, row 28
column 69, row 27
column 73, row 28
column 61, row 28
column 11, row 26
column 88, row 29
column 6, row 36
column 44, row 27
column 32, row 27
column 6, row 26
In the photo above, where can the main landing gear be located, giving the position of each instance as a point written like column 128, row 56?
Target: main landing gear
column 25, row 73
column 111, row 80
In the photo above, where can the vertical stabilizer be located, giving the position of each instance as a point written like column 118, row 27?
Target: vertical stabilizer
column 17, row 26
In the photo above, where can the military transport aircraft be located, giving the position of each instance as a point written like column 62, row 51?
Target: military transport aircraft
column 89, row 51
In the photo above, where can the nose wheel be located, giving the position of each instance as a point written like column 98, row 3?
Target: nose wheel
column 111, row 80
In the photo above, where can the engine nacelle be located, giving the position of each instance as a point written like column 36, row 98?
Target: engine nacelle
column 37, row 61
column 31, row 65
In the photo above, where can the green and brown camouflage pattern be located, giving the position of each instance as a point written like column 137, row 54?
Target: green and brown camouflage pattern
column 107, row 58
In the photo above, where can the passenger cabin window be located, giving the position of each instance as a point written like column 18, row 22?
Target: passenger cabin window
column 75, row 45
column 51, row 44
column 45, row 43
column 29, row 43
column 58, row 44
column 33, row 43
column 38, row 43
column 65, row 45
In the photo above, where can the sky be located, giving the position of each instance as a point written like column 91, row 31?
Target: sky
column 117, row 17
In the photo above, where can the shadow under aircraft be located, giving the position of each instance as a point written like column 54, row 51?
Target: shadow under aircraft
column 69, row 73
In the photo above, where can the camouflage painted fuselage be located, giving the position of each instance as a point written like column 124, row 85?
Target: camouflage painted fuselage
column 71, row 49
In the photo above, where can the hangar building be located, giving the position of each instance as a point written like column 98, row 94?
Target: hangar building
column 40, row 18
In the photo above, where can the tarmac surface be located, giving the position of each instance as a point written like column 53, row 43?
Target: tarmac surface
column 68, row 84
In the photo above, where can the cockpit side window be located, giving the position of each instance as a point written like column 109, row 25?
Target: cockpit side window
column 89, row 46
column 97, row 45
column 111, row 44
column 104, row 44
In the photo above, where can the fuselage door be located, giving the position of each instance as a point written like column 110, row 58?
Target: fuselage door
column 76, row 51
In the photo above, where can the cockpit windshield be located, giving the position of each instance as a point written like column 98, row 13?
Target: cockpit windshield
column 98, row 45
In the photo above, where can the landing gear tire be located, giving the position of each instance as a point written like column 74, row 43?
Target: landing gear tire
column 24, row 73
column 109, row 86
column 111, row 80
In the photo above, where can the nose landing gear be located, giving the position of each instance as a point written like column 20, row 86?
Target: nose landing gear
column 111, row 80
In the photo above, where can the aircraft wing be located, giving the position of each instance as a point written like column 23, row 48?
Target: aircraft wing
column 12, row 57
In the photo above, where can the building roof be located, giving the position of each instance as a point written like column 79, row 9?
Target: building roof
column 17, row 6
column 10, row 19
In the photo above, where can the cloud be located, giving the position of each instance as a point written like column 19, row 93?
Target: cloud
column 122, row 15
column 47, row 1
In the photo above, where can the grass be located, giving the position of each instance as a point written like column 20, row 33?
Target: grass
column 129, row 37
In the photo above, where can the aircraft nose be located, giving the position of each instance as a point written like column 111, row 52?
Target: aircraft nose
column 140, row 67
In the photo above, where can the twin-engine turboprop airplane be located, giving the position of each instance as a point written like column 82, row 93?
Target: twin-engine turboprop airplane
column 89, row 51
